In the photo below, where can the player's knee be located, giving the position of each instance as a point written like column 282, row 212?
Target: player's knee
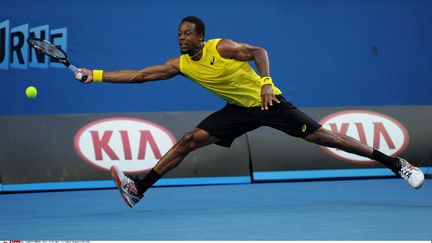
column 188, row 137
column 187, row 143
column 335, row 140
column 326, row 138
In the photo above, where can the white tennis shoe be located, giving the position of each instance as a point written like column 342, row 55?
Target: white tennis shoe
column 126, row 186
column 413, row 175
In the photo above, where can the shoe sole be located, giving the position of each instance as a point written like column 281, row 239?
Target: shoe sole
column 117, row 181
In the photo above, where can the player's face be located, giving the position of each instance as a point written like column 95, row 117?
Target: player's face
column 189, row 41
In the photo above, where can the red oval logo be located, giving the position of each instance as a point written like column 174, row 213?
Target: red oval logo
column 132, row 144
column 372, row 128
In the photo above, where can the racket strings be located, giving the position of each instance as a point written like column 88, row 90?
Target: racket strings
column 48, row 48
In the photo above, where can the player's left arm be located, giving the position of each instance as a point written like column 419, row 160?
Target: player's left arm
column 228, row 48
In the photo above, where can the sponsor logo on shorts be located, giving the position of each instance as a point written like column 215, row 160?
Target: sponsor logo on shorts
column 304, row 128
column 212, row 60
column 372, row 128
column 132, row 144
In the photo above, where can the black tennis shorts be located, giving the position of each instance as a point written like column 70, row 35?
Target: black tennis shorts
column 232, row 121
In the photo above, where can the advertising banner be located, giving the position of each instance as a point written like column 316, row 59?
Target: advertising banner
column 66, row 148
column 82, row 148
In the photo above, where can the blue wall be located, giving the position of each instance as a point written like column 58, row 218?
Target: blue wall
column 321, row 52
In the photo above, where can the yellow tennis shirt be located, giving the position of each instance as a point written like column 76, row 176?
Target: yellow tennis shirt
column 232, row 80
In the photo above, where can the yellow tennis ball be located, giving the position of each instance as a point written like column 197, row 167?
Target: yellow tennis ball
column 31, row 92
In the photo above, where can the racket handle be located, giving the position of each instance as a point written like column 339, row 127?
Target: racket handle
column 73, row 68
column 80, row 76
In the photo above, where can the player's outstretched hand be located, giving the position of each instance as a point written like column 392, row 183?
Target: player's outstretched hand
column 84, row 71
column 267, row 96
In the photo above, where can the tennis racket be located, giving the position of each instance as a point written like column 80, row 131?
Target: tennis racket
column 56, row 53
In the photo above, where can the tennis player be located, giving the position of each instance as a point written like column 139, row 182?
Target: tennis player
column 221, row 66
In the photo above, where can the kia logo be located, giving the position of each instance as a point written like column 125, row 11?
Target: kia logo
column 132, row 144
column 372, row 128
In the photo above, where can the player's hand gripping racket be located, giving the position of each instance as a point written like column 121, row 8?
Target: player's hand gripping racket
column 56, row 53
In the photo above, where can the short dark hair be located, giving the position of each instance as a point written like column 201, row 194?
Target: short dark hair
column 199, row 24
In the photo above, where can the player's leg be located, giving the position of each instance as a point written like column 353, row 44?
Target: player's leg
column 287, row 118
column 399, row 166
column 188, row 143
column 327, row 138
column 221, row 128
column 133, row 190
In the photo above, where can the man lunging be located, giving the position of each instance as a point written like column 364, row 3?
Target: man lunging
column 221, row 66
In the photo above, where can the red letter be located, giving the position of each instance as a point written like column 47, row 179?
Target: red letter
column 126, row 145
column 380, row 129
column 102, row 144
column 146, row 137
column 361, row 133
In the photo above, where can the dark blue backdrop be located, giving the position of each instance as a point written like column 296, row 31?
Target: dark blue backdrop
column 322, row 53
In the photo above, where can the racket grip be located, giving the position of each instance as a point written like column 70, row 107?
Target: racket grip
column 73, row 68
column 79, row 75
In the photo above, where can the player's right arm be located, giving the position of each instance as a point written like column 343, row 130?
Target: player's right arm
column 168, row 70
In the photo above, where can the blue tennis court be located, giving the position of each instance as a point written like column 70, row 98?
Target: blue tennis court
column 374, row 209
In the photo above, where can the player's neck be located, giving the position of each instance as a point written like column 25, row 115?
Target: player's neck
column 197, row 55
